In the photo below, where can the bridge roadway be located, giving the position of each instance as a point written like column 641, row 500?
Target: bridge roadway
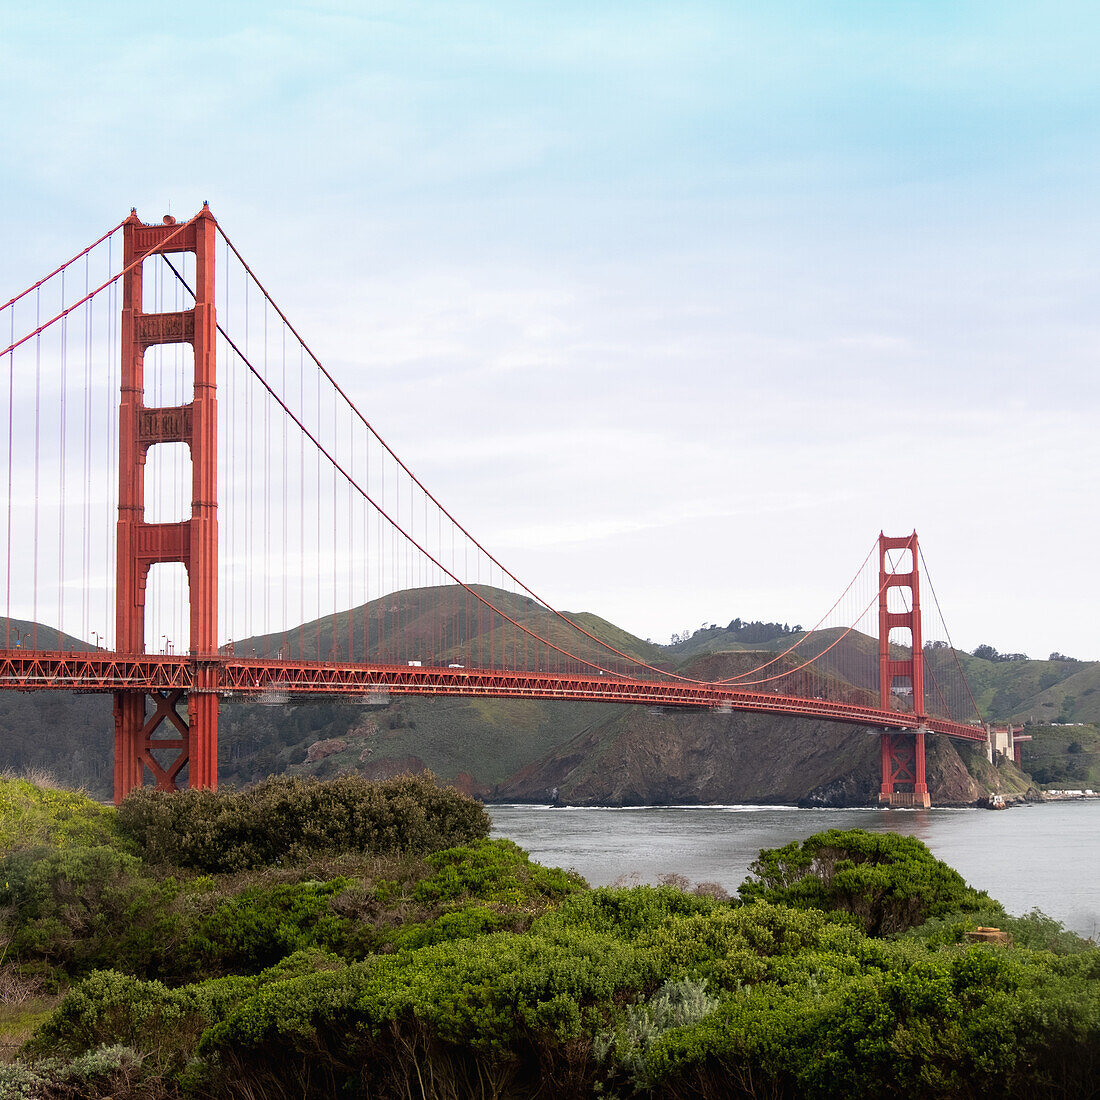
column 232, row 676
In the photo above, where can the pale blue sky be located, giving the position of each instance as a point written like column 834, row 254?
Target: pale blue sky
column 676, row 304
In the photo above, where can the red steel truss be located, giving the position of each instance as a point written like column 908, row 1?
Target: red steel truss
column 221, row 676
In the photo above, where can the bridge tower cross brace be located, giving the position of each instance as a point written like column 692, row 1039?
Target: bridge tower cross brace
column 902, row 753
column 193, row 541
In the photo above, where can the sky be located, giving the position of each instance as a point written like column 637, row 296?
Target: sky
column 674, row 305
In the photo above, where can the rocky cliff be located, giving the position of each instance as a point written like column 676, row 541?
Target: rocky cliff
column 639, row 757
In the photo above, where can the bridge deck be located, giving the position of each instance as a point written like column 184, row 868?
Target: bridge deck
column 35, row 670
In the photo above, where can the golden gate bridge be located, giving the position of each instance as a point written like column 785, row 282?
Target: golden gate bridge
column 183, row 472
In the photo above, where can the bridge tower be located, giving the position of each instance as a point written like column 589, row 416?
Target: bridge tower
column 193, row 541
column 902, row 752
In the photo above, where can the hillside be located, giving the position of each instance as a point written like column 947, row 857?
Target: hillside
column 445, row 624
column 1024, row 690
column 1064, row 756
column 643, row 756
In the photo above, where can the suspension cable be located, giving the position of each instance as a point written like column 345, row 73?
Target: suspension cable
column 102, row 286
column 635, row 661
column 57, row 270
column 943, row 621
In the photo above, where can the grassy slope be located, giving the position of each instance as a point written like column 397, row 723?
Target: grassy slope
column 1064, row 756
column 484, row 739
column 1033, row 690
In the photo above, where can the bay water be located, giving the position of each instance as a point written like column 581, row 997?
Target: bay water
column 1042, row 855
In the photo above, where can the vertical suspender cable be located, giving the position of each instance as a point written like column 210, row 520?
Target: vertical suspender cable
column 317, row 552
column 37, row 440
column 86, row 459
column 267, row 500
column 61, row 474
column 249, row 581
column 283, row 455
column 334, row 540
column 111, row 415
column 11, row 425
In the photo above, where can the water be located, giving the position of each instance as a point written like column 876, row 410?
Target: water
column 1044, row 856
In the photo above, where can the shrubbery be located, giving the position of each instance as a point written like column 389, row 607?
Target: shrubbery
column 108, row 1072
column 754, row 1000
column 91, row 905
column 887, row 882
column 287, row 820
column 390, row 949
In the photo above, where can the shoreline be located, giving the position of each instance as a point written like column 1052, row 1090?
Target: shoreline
column 977, row 804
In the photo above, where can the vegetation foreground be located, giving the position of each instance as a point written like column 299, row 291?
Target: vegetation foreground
column 308, row 939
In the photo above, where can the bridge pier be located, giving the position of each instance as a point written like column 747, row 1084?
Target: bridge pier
column 139, row 736
column 903, row 763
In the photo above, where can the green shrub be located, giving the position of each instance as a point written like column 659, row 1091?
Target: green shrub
column 458, row 924
column 640, row 1026
column 904, row 1022
column 495, row 872
column 888, row 882
column 491, row 996
column 1034, row 930
column 83, row 908
column 261, row 925
column 93, row 909
column 732, row 946
column 107, row 1072
column 624, row 913
column 287, row 820
column 111, row 1008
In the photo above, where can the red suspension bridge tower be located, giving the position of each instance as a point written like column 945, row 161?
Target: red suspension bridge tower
column 902, row 751
column 193, row 541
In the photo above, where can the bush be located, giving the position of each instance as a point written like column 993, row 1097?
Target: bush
column 98, row 908
column 649, row 990
column 287, row 820
column 262, row 925
column 82, row 908
column 466, row 1011
column 493, row 871
column 1034, row 930
column 487, row 886
column 977, row 1022
column 732, row 946
column 888, row 882
column 112, row 1008
column 624, row 913
column 109, row 1007
column 675, row 1004
column 111, row 1072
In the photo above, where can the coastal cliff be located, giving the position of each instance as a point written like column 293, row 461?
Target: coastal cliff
column 639, row 757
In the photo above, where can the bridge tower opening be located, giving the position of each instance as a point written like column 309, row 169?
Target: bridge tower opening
column 903, row 775
column 192, row 735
